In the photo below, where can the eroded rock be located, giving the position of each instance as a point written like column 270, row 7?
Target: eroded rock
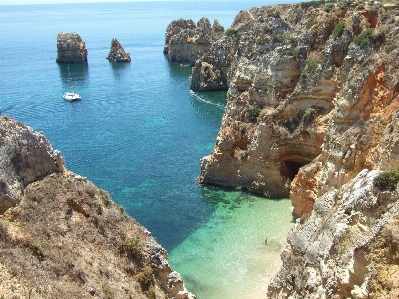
column 301, row 94
column 71, row 48
column 117, row 52
column 26, row 156
column 63, row 237
column 345, row 247
column 186, row 41
column 210, row 72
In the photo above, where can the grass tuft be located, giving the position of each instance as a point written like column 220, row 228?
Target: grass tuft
column 339, row 29
column 253, row 112
column 388, row 180
column 364, row 37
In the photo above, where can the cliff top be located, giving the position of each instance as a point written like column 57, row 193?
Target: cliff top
column 65, row 238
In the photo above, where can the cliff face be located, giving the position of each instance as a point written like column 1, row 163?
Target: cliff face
column 306, row 85
column 210, row 71
column 25, row 157
column 62, row 237
column 312, row 113
column 348, row 247
column 71, row 48
column 185, row 41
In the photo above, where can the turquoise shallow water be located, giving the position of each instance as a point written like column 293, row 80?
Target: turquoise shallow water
column 230, row 247
column 137, row 132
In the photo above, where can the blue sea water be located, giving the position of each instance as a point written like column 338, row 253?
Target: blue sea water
column 138, row 132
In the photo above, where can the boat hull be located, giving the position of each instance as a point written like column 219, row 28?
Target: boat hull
column 71, row 96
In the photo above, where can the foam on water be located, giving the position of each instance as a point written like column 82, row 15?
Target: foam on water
column 227, row 256
column 205, row 99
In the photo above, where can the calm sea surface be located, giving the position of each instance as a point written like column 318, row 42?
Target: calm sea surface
column 140, row 134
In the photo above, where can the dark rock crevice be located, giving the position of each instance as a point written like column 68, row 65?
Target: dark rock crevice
column 290, row 169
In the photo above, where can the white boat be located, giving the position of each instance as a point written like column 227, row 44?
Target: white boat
column 71, row 95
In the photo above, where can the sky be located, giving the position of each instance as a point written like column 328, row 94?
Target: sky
column 24, row 2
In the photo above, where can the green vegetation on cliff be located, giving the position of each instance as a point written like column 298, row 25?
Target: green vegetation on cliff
column 388, row 180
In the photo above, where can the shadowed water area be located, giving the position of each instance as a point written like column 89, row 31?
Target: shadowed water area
column 139, row 133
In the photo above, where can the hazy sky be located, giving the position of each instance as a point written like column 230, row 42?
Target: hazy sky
column 18, row 2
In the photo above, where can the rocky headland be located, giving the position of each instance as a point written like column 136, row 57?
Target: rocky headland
column 117, row 52
column 313, row 113
column 71, row 48
column 186, row 41
column 63, row 237
column 306, row 86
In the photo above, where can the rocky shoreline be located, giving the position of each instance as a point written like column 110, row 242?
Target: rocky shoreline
column 312, row 113
column 63, row 237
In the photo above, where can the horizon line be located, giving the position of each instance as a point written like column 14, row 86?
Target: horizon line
column 54, row 2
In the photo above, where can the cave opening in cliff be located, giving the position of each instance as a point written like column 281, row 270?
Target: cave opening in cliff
column 290, row 168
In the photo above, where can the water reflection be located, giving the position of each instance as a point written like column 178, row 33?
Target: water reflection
column 119, row 68
column 78, row 73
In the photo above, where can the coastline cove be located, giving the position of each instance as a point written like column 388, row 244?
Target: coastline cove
column 139, row 133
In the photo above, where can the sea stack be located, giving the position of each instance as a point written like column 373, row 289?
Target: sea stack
column 117, row 53
column 186, row 42
column 71, row 48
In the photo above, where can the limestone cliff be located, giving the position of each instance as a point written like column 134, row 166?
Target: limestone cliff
column 307, row 83
column 348, row 247
column 71, row 48
column 62, row 237
column 186, row 41
column 210, row 71
column 313, row 113
column 117, row 53
column 26, row 156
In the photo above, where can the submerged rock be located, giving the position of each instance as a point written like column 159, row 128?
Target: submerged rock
column 117, row 53
column 71, row 48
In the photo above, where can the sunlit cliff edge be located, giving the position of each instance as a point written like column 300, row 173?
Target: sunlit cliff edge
column 312, row 113
column 63, row 237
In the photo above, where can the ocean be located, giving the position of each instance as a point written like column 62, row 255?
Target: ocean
column 139, row 133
